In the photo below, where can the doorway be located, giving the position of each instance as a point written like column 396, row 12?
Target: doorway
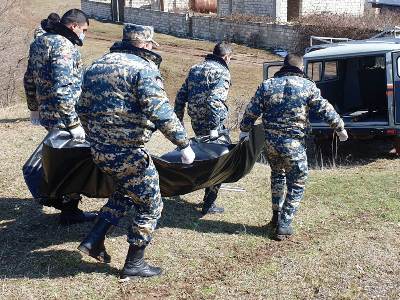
column 118, row 7
column 293, row 9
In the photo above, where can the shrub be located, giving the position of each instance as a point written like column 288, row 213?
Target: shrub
column 335, row 25
column 13, row 44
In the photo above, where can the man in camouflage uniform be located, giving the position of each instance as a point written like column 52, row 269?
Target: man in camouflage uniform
column 53, row 85
column 45, row 23
column 123, row 102
column 205, row 92
column 284, row 102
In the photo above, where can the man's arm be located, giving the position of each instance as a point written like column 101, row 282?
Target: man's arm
column 156, row 107
column 254, row 109
column 65, row 98
column 29, row 86
column 181, row 100
column 325, row 110
column 217, row 101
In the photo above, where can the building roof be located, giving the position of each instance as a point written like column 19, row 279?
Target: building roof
column 385, row 2
column 356, row 48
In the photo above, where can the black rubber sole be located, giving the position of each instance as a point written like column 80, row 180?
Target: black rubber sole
column 99, row 258
column 125, row 278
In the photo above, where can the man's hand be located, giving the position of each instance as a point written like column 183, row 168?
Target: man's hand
column 35, row 118
column 342, row 135
column 244, row 136
column 78, row 133
column 214, row 134
column 187, row 155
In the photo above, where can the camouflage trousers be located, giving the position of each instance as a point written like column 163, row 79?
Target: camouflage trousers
column 137, row 185
column 289, row 172
column 210, row 193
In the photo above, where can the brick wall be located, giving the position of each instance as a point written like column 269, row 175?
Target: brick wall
column 97, row 8
column 279, row 8
column 354, row 7
column 138, row 3
column 164, row 22
column 246, row 7
column 202, row 27
column 171, row 5
column 254, row 34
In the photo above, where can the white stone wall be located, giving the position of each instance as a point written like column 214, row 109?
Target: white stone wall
column 164, row 22
column 202, row 27
column 97, row 8
column 353, row 7
column 171, row 5
column 246, row 7
column 281, row 8
column 138, row 3
column 254, row 34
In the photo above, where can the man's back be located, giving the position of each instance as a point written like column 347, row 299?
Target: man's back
column 123, row 100
column 284, row 103
column 286, row 106
column 55, row 68
column 205, row 91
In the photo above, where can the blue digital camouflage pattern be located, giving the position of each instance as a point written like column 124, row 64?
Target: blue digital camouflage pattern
column 136, row 176
column 289, row 171
column 39, row 31
column 123, row 102
column 284, row 103
column 205, row 92
column 53, row 80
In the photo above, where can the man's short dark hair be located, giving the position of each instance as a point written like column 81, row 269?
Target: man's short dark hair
column 293, row 60
column 74, row 16
column 221, row 49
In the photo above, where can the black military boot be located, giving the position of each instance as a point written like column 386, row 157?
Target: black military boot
column 283, row 233
column 274, row 220
column 211, row 208
column 93, row 244
column 71, row 214
column 136, row 266
column 210, row 197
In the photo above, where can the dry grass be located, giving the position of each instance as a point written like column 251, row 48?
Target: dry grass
column 347, row 230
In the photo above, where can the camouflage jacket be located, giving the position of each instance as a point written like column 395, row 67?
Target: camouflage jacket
column 123, row 99
column 284, row 102
column 39, row 31
column 53, row 78
column 205, row 91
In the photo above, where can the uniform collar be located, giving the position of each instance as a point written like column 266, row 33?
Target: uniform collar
column 126, row 47
column 217, row 59
column 290, row 71
column 61, row 29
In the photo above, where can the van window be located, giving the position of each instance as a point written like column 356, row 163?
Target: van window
column 272, row 70
column 330, row 70
column 314, row 70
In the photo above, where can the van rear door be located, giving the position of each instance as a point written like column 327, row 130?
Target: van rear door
column 270, row 68
column 396, row 86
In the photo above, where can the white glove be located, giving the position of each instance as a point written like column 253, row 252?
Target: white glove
column 78, row 133
column 214, row 134
column 342, row 135
column 35, row 118
column 187, row 155
column 244, row 136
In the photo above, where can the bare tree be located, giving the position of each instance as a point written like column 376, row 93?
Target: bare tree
column 14, row 39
